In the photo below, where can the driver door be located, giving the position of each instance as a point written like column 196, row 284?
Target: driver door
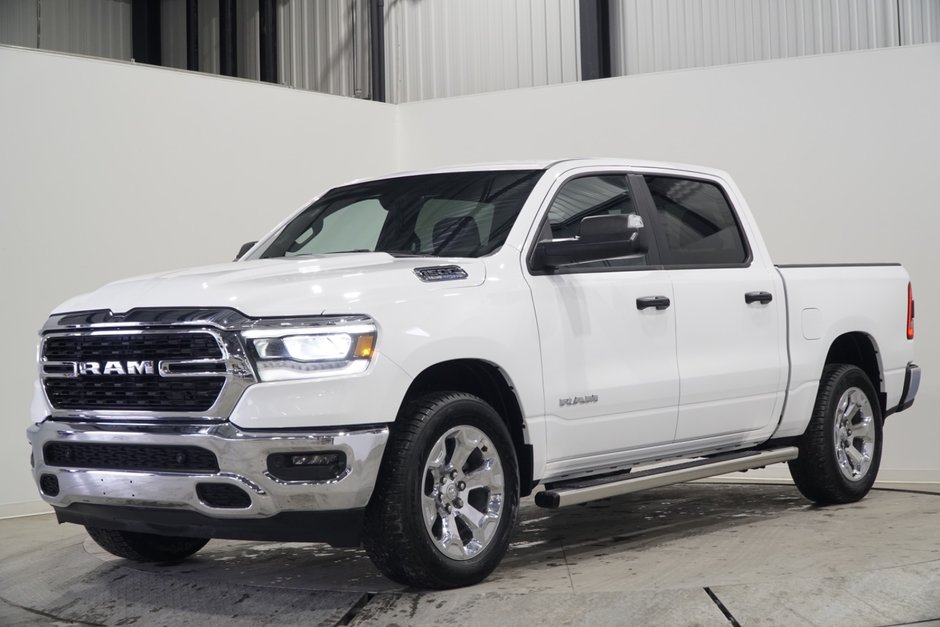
column 610, row 370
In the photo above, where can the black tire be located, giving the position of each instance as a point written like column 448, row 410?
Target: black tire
column 396, row 536
column 817, row 471
column 145, row 547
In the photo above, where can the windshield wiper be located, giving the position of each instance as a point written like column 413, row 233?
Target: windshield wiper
column 393, row 253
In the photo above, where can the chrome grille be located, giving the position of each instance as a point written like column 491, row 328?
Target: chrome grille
column 148, row 393
column 114, row 373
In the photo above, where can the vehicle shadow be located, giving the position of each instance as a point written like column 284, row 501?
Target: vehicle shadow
column 542, row 539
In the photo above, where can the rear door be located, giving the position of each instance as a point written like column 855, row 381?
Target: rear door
column 610, row 373
column 729, row 310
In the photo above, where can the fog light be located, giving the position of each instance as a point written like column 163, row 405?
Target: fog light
column 307, row 466
column 314, row 459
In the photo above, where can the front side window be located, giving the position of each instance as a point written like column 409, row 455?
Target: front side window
column 455, row 214
column 697, row 222
column 585, row 196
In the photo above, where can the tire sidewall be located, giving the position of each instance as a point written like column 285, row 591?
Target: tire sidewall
column 465, row 411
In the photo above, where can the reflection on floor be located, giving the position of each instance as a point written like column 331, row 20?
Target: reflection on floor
column 695, row 554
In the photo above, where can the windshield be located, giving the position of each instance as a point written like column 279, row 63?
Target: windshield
column 454, row 214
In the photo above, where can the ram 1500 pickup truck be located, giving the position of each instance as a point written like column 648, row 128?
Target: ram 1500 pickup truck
column 401, row 361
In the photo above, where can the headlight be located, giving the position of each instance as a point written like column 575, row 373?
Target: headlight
column 304, row 353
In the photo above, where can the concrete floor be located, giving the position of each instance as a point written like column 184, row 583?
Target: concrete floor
column 695, row 554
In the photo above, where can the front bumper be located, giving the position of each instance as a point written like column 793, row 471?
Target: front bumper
column 87, row 495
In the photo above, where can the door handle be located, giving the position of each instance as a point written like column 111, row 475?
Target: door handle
column 659, row 302
column 758, row 297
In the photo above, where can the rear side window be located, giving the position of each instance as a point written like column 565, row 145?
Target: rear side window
column 697, row 222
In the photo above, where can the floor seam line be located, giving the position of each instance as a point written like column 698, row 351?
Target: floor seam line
column 916, row 622
column 48, row 615
column 908, row 491
column 353, row 611
column 564, row 555
column 721, row 606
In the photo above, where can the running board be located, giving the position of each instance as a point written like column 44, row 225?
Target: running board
column 591, row 489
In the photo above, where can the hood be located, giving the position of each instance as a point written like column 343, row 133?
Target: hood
column 309, row 285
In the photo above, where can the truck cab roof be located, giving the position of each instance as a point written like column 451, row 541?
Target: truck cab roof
column 563, row 163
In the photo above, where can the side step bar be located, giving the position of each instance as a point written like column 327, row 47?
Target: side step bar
column 593, row 488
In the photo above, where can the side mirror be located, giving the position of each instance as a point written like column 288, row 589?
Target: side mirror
column 244, row 249
column 599, row 237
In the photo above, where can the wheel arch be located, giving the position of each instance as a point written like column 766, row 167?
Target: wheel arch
column 489, row 382
column 860, row 349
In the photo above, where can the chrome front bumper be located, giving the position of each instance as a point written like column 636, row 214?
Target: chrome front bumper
column 242, row 458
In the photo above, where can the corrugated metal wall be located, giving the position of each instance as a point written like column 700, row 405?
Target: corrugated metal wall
column 173, row 33
column 173, row 36
column 324, row 46
column 19, row 22
column 99, row 28
column 658, row 35
column 247, row 36
column 437, row 48
column 920, row 21
column 208, row 18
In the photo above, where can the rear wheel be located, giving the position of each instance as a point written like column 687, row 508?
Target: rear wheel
column 145, row 547
column 840, row 453
column 446, row 499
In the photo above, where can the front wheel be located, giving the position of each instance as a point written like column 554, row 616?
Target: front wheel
column 841, row 450
column 447, row 495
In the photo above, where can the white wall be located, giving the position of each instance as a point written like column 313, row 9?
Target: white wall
column 109, row 170
column 837, row 155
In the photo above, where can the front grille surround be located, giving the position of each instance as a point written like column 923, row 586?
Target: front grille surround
column 190, row 373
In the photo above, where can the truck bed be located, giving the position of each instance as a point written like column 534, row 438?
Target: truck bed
column 826, row 301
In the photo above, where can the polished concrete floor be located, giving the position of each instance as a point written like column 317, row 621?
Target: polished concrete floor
column 695, row 554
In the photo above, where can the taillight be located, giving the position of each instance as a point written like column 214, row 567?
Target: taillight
column 910, row 312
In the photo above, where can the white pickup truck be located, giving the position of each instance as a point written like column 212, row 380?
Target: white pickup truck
column 401, row 361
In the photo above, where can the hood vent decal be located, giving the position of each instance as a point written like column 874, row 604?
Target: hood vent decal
column 436, row 274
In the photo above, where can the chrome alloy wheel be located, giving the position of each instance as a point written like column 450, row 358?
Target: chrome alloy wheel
column 462, row 495
column 854, row 434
